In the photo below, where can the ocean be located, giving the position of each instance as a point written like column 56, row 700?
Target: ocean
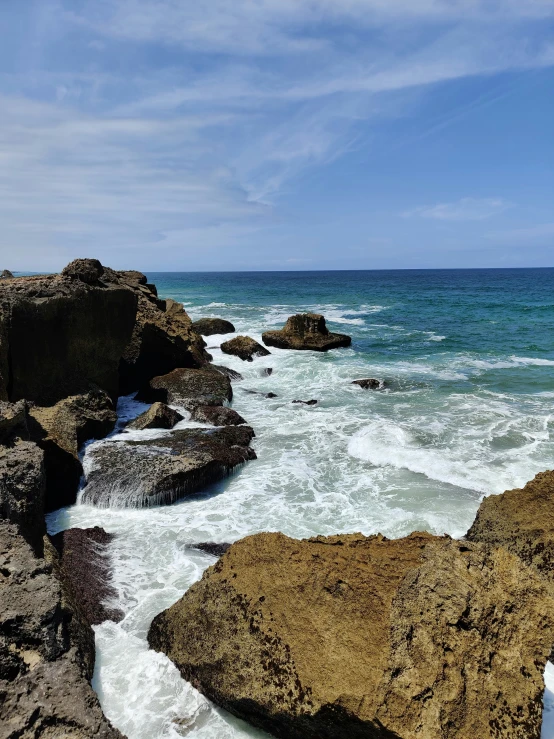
column 467, row 357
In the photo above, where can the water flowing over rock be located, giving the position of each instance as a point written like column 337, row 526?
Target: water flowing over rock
column 245, row 348
column 217, row 415
column 230, row 373
column 211, row 326
column 306, row 331
column 189, row 388
column 149, row 472
column 313, row 401
column 351, row 636
column 369, row 383
column 158, row 416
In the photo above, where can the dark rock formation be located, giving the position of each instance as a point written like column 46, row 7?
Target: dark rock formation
column 306, row 402
column 84, row 564
column 217, row 415
column 6, row 274
column 230, row 373
column 353, row 636
column 369, row 383
column 145, row 473
column 245, row 348
column 86, row 270
column 211, row 326
column 522, row 521
column 267, row 371
column 211, row 547
column 189, row 388
column 60, row 430
column 13, row 421
column 306, row 331
column 158, row 416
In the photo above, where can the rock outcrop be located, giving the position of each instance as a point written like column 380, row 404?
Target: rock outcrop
column 369, row 383
column 158, row 416
column 245, row 348
column 189, row 388
column 522, row 521
column 306, row 331
column 60, row 430
column 212, row 326
column 13, row 421
column 418, row 638
column 217, row 415
column 149, row 472
column 6, row 274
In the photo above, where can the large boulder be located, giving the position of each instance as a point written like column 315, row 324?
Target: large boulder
column 211, row 326
column 189, row 388
column 217, row 415
column 60, row 430
column 522, row 521
column 369, row 383
column 150, row 472
column 6, row 274
column 420, row 638
column 306, row 331
column 245, row 348
column 158, row 416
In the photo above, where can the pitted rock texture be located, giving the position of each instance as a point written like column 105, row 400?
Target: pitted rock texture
column 60, row 430
column 352, row 636
column 522, row 521
column 245, row 348
column 217, row 415
column 306, row 331
column 189, row 388
column 158, row 416
column 13, row 421
column 149, row 472
column 212, row 326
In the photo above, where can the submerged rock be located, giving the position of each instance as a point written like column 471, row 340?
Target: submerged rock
column 189, row 388
column 369, row 383
column 211, row 326
column 419, row 638
column 158, row 416
column 306, row 402
column 267, row 371
column 230, row 373
column 140, row 474
column 245, row 348
column 306, row 331
column 84, row 564
column 217, row 415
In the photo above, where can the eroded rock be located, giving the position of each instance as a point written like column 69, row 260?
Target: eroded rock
column 245, row 348
column 158, row 416
column 217, row 415
column 13, row 421
column 189, row 388
column 419, row 638
column 211, row 326
column 306, row 331
column 140, row 474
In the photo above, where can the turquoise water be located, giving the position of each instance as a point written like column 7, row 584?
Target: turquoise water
column 468, row 360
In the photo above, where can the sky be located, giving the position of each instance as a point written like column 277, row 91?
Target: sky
column 277, row 134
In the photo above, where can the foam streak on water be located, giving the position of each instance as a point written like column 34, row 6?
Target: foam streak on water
column 468, row 362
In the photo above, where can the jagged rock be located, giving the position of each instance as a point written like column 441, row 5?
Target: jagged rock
column 271, row 395
column 6, row 274
column 60, row 430
column 158, row 416
column 267, row 371
column 189, row 388
column 230, row 373
column 306, row 402
column 369, row 384
column 13, row 421
column 46, row 651
column 522, row 521
column 306, row 331
column 22, row 491
column 245, row 348
column 59, row 334
column 217, row 415
column 86, row 571
column 419, row 638
column 211, row 547
column 87, row 270
column 140, row 474
column 211, row 326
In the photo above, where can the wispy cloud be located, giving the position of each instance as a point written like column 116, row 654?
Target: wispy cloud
column 465, row 209
column 538, row 233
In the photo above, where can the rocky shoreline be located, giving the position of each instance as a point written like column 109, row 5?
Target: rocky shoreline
column 423, row 637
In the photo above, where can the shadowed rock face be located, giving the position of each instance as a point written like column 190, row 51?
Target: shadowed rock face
column 13, row 421
column 218, row 416
column 306, row 331
column 158, row 416
column 353, row 636
column 211, row 326
column 140, row 474
column 245, row 348
column 189, row 388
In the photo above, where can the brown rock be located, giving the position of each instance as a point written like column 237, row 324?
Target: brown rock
column 211, row 326
column 158, row 416
column 13, row 421
column 369, row 384
column 306, row 331
column 217, row 415
column 245, row 348
column 87, row 270
column 189, row 388
column 353, row 636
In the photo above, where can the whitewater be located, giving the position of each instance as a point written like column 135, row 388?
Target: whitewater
column 467, row 411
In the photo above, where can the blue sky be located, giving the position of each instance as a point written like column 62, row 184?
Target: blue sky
column 277, row 134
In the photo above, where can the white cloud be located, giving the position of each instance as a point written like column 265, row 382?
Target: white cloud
column 465, row 209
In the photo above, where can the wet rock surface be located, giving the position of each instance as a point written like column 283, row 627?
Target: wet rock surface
column 189, row 388
column 306, row 331
column 213, row 548
column 369, row 383
column 420, row 638
column 217, row 415
column 84, row 564
column 211, row 326
column 230, row 373
column 306, row 402
column 158, row 416
column 150, row 472
column 245, row 348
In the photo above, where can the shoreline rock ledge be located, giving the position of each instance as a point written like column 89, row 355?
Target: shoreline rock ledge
column 418, row 638
column 306, row 331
